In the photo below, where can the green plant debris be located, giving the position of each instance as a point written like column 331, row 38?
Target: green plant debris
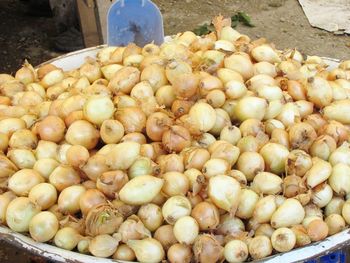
column 239, row 17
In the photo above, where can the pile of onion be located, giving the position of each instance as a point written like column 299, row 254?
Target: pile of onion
column 203, row 149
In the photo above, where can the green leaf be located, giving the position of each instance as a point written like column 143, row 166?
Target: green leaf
column 245, row 19
column 202, row 30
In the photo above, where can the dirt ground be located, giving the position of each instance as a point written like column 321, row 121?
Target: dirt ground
column 281, row 21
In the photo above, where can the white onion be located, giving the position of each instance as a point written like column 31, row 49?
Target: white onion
column 289, row 213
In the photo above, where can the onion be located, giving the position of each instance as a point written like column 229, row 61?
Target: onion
column 207, row 249
column 319, row 91
column 68, row 200
column 45, row 166
column 301, row 136
column 236, row 251
column 44, row 195
column 248, row 200
column 301, row 235
column 340, row 155
column 335, row 223
column 147, row 250
column 289, row 213
column 267, row 183
column 216, row 98
column 5, row 199
column 215, row 167
column 82, row 133
column 203, row 116
column 186, row 230
column 64, row 176
column 206, row 215
column 231, row 134
column 224, row 191
column 132, row 118
column 23, row 181
column 264, row 230
column 124, row 252
column 260, row 247
column 176, row 138
column 265, row 53
column 141, row 190
column 175, row 183
column 151, row 216
column 123, row 155
column 298, row 162
column 98, row 108
column 124, row 80
column 9, row 125
column 275, row 156
column 230, row 226
column 175, row 68
column 165, row 235
column 43, row 226
column 196, row 180
column 77, row 156
column 179, row 253
column 170, row 163
column 22, row 158
column 250, row 108
column 323, row 146
column 280, row 136
column 334, row 206
column 195, row 157
column 240, row 64
column 338, row 179
column 23, row 139
column 336, row 130
column 318, row 173
column 133, row 229
column 322, row 195
column 289, row 114
column 89, row 199
column 283, row 239
column 317, row 230
column 176, row 207
column 226, row 75
column 264, row 209
column 225, row 151
column 134, row 137
column 20, row 212
column 157, row 123
column 185, row 85
column 95, row 166
column 165, row 95
column 250, row 163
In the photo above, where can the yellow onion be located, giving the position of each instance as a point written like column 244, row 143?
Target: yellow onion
column 194, row 157
column 9, row 125
column 181, row 107
column 319, row 92
column 215, row 167
column 207, row 249
column 147, row 250
column 186, row 230
column 141, row 190
column 322, row 195
column 250, row 163
column 230, row 226
column 179, row 253
column 124, row 80
column 103, row 245
column 340, row 155
column 293, row 185
column 259, row 81
column 176, row 207
column 20, row 212
column 240, row 64
column 317, row 230
column 216, row 98
column 176, row 67
column 63, row 176
column 206, row 215
column 111, row 131
column 22, row 158
column 123, row 155
column 264, row 208
column 89, row 199
column 157, row 123
column 175, row 183
column 267, row 183
column 247, row 203
column 318, row 173
column 266, row 68
column 45, row 166
column 289, row 213
column 274, row 156
column 5, row 199
column 298, row 162
column 23, row 181
column 283, row 239
column 289, row 115
column 264, row 230
column 226, row 75
column 23, row 139
column 231, row 134
column 176, row 138
column 265, row 53
column 165, row 95
column 109, row 183
column 301, row 136
column 170, row 163
column 260, row 247
column 185, row 85
column 250, row 108
column 335, row 223
column 82, row 133
column 133, row 229
column 43, row 194
column 225, row 151
column 334, row 206
column 209, row 83
column 124, row 252
column 151, row 216
column 301, row 235
column 95, row 166
column 98, row 108
column 132, row 118
column 196, row 180
column 43, row 226
column 236, row 251
column 203, row 116
column 77, row 156
column 224, row 191
column 165, row 235
column 323, row 146
column 68, row 200
column 336, row 130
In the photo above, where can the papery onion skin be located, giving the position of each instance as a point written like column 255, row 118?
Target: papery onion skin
column 43, row 226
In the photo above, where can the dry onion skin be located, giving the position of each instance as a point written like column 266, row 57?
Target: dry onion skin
column 202, row 149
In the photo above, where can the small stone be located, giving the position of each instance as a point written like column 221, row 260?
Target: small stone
column 282, row 19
